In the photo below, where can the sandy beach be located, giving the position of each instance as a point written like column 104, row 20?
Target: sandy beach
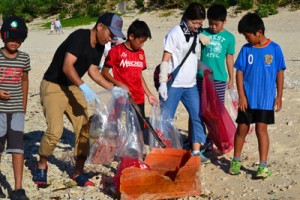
column 217, row 183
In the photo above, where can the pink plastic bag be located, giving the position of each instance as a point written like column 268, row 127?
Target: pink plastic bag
column 125, row 163
column 221, row 128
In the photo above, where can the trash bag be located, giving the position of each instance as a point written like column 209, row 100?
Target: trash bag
column 233, row 98
column 125, row 163
column 114, row 130
column 221, row 128
column 165, row 128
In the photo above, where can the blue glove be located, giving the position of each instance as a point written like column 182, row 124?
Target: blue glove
column 119, row 92
column 88, row 93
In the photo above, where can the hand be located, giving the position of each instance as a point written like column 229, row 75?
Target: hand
column 163, row 90
column 119, row 92
column 88, row 93
column 243, row 103
column 278, row 104
column 4, row 95
column 153, row 100
column 204, row 39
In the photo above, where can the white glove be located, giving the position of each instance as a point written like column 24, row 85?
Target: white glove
column 204, row 39
column 164, row 69
column 163, row 90
column 119, row 92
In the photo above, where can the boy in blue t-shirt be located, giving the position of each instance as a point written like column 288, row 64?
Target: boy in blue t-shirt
column 259, row 76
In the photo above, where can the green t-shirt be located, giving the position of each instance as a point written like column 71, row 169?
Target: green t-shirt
column 214, row 54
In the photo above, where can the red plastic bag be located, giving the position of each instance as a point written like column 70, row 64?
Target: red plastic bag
column 221, row 128
column 125, row 163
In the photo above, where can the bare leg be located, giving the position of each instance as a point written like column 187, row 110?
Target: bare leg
column 239, row 138
column 196, row 146
column 263, row 140
column 18, row 164
column 42, row 164
column 79, row 165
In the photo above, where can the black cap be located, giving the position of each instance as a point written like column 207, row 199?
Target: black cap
column 114, row 22
column 14, row 27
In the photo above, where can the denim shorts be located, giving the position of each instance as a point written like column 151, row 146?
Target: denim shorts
column 11, row 132
column 251, row 116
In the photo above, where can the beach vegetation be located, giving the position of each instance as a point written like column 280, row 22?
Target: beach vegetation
column 72, row 12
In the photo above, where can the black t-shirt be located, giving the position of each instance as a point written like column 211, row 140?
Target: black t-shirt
column 78, row 44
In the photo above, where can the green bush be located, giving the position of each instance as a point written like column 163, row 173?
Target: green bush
column 265, row 10
column 245, row 4
column 139, row 3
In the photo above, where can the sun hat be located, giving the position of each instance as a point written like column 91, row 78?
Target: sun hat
column 14, row 27
column 114, row 22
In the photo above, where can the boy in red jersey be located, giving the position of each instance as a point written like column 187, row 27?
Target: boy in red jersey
column 127, row 61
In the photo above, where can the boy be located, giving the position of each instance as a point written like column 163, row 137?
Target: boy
column 127, row 61
column 219, row 50
column 259, row 78
column 14, row 68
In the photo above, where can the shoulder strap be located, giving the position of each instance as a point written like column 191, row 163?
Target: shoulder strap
column 190, row 50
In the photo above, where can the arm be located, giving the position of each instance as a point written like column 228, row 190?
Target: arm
column 163, row 75
column 69, row 70
column 164, row 67
column 230, row 69
column 152, row 99
column 279, row 83
column 243, row 103
column 96, row 76
column 25, row 84
column 105, row 73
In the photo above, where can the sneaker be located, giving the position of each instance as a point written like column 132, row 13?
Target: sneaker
column 83, row 180
column 263, row 172
column 40, row 176
column 235, row 167
column 203, row 158
column 18, row 195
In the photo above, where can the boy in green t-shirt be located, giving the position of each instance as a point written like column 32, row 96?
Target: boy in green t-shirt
column 220, row 50
column 217, row 52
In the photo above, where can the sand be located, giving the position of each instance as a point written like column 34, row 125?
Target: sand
column 284, row 156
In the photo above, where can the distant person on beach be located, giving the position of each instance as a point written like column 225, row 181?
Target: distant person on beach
column 52, row 27
column 217, row 54
column 14, row 68
column 127, row 61
column 176, row 44
column 260, row 69
column 63, row 91
column 58, row 27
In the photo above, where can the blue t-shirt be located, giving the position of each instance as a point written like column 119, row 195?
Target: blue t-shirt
column 259, row 67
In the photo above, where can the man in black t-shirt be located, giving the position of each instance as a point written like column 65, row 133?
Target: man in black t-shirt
column 63, row 91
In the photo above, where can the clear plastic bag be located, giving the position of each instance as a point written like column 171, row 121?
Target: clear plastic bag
column 165, row 128
column 233, row 106
column 114, row 130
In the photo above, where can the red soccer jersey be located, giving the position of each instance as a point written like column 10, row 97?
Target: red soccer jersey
column 127, row 67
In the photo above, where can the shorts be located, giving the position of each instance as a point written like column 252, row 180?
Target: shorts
column 255, row 116
column 12, row 132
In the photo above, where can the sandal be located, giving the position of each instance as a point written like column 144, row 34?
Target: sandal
column 83, row 180
column 40, row 175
